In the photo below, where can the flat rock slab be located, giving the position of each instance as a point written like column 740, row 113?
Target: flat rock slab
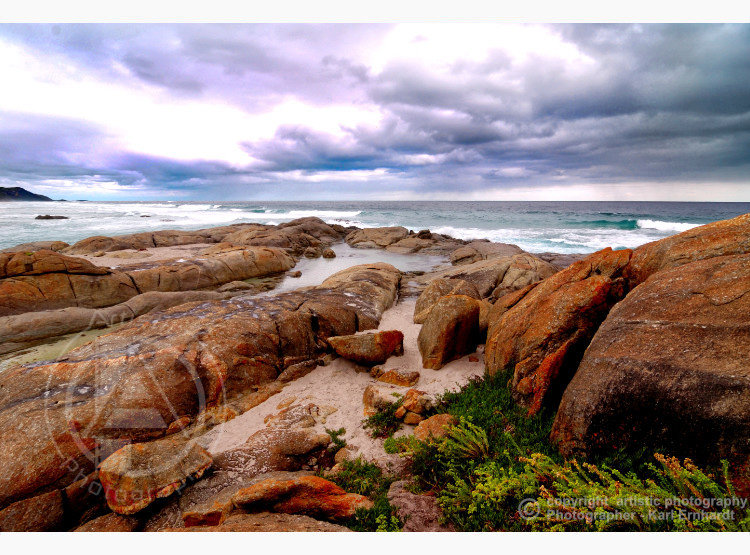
column 267, row 522
column 138, row 474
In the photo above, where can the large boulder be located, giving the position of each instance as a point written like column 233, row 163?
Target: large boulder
column 46, row 280
column 59, row 417
column 376, row 237
column 56, row 246
column 369, row 348
column 495, row 277
column 438, row 288
column 43, row 261
column 482, row 250
column 450, row 331
column 425, row 243
column 308, row 495
column 297, row 236
column 42, row 513
column 294, row 241
column 27, row 329
column 541, row 338
column 146, row 240
column 227, row 265
column 136, row 475
column 708, row 241
column 290, row 235
column 669, row 368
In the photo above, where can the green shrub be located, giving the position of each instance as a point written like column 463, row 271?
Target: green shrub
column 336, row 441
column 497, row 457
column 400, row 445
column 368, row 479
column 384, row 422
column 585, row 497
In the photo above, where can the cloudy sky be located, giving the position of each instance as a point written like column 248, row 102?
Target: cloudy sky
column 433, row 111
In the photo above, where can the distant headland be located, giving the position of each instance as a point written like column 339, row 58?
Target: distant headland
column 19, row 194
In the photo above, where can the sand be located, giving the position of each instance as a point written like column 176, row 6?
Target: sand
column 340, row 386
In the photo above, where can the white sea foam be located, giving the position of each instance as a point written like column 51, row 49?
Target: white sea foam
column 557, row 240
column 665, row 226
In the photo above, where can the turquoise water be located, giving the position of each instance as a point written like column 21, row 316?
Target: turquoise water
column 534, row 226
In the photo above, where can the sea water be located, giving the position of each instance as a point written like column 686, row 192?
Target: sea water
column 566, row 227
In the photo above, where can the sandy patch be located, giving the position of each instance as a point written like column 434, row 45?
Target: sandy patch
column 340, row 386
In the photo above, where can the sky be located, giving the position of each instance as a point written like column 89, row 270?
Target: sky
column 406, row 111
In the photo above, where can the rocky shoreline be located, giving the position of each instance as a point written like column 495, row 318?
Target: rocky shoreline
column 211, row 407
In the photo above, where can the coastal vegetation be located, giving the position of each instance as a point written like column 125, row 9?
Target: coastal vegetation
column 496, row 470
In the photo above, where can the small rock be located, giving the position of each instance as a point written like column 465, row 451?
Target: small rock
column 369, row 348
column 286, row 402
column 417, row 401
column 179, row 424
column 329, row 253
column 434, row 427
column 376, row 372
column 397, row 376
column 48, row 217
column 327, row 359
column 296, row 371
column 400, row 413
column 346, row 453
column 308, row 495
column 234, row 286
column 412, row 418
column 419, row 512
column 473, row 358
column 311, row 252
column 295, row 274
column 376, row 399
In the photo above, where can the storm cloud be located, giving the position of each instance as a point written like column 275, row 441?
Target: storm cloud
column 376, row 111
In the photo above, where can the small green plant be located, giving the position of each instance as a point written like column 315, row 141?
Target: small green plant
column 403, row 445
column 367, row 479
column 336, row 441
column 466, row 441
column 384, row 422
column 385, row 524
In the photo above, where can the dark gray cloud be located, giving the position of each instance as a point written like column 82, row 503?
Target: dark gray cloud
column 635, row 103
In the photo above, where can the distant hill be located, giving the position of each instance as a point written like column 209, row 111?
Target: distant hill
column 19, row 193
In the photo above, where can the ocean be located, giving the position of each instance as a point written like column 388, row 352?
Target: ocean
column 566, row 227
